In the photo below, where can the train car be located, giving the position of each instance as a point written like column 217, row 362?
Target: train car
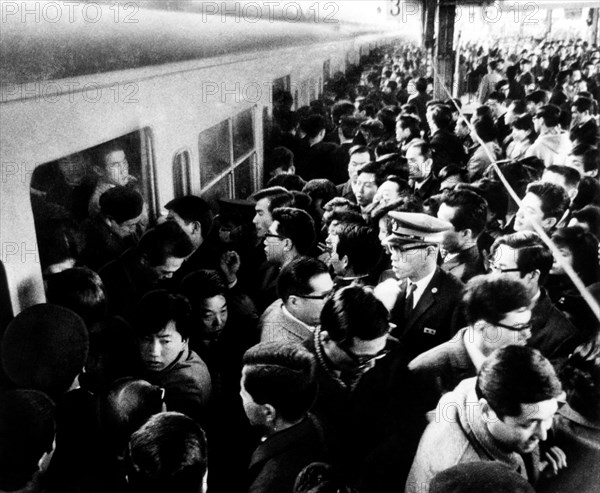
column 188, row 95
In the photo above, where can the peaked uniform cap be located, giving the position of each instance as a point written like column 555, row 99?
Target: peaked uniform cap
column 416, row 228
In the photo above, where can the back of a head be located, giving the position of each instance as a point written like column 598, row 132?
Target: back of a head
column 281, row 374
column 167, row 454
column 79, row 289
column 127, row 405
column 361, row 246
column 292, row 183
column 441, row 115
column 320, row 188
column 470, row 210
column 165, row 240
column 583, row 247
column 313, row 125
column 354, row 311
column 294, row 278
column 477, row 477
column 537, row 97
column 44, row 348
column 491, row 297
column 581, row 377
column 193, row 209
column 554, row 198
column 27, row 429
column 485, row 128
column 121, row 204
column 550, row 114
column 516, row 375
column 297, row 225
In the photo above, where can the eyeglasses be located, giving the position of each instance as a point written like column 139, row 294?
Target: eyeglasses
column 273, row 235
column 499, row 269
column 363, row 360
column 321, row 296
column 516, row 328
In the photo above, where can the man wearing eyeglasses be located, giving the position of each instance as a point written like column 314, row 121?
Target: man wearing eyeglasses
column 360, row 373
column 423, row 297
column 303, row 285
column 497, row 313
column 525, row 257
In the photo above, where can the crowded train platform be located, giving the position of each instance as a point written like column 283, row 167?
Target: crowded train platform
column 407, row 303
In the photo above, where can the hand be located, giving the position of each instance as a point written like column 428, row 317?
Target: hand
column 230, row 265
column 553, row 461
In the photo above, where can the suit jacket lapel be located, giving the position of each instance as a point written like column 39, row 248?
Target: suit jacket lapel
column 425, row 301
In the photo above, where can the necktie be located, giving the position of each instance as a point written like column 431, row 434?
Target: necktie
column 410, row 300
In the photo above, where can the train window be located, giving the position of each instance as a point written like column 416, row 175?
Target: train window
column 243, row 134
column 232, row 147
column 66, row 192
column 215, row 152
column 219, row 190
column 244, row 177
column 182, row 178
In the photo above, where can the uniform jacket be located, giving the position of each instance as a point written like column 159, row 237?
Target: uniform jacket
column 275, row 325
column 277, row 461
column 457, row 435
column 466, row 264
column 441, row 369
column 430, row 321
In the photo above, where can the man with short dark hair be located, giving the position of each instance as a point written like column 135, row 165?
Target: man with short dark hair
column 168, row 453
column 163, row 323
column 525, row 257
column 194, row 216
column 467, row 212
column 584, row 129
column 488, row 82
column 563, row 176
column 278, row 389
column 290, row 235
column 502, row 415
column 303, row 285
column 358, row 156
column 157, row 256
column 360, row 372
column 355, row 252
column 545, row 204
column 419, row 156
column 320, row 159
column 365, row 186
column 497, row 313
column 266, row 200
column 447, row 147
column 109, row 233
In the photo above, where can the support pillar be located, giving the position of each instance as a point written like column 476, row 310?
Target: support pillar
column 593, row 32
column 548, row 22
column 444, row 50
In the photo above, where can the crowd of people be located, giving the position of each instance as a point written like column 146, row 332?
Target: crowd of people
column 380, row 317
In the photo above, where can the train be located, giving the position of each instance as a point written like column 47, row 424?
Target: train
column 191, row 94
